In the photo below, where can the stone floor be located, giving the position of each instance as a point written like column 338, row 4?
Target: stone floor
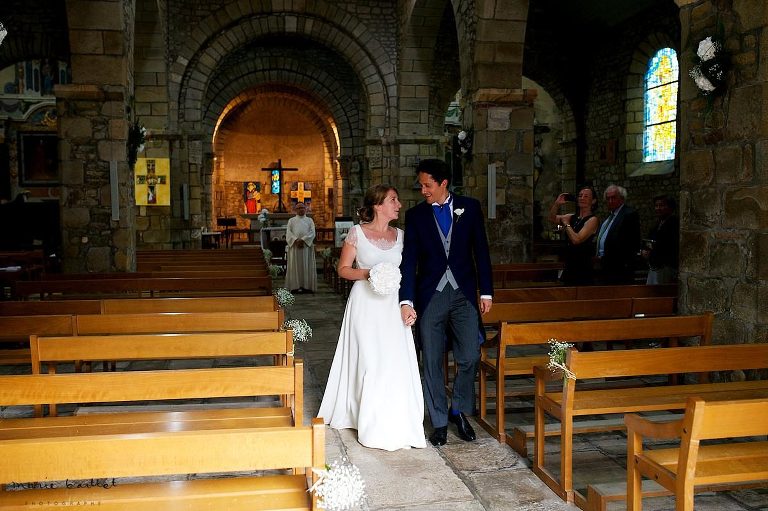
column 476, row 476
column 482, row 475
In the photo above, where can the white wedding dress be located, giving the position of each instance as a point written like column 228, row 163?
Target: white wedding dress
column 374, row 384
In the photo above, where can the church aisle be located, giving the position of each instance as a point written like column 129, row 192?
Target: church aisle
column 482, row 475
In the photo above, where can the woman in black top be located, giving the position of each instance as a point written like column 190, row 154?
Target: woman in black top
column 581, row 230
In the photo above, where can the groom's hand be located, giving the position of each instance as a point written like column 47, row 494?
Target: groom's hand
column 407, row 314
column 485, row 305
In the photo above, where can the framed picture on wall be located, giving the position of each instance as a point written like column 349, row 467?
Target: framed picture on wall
column 39, row 159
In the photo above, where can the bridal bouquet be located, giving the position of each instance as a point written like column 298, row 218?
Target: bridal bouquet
column 384, row 279
column 339, row 487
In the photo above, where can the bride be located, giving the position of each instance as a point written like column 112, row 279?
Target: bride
column 374, row 383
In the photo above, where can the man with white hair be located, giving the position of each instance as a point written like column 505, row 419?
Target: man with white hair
column 301, row 272
column 618, row 239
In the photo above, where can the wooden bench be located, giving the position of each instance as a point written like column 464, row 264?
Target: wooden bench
column 498, row 363
column 150, row 323
column 200, row 304
column 682, row 469
column 537, row 294
column 220, row 442
column 48, row 352
column 139, row 305
column 568, row 403
column 525, row 277
column 15, row 330
column 145, row 287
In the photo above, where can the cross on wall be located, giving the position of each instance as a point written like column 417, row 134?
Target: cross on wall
column 301, row 193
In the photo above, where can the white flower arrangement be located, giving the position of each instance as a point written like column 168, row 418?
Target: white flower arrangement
column 302, row 332
column 275, row 270
column 284, row 297
column 267, row 254
column 264, row 217
column 384, row 279
column 339, row 487
column 3, row 33
column 326, row 253
column 710, row 66
column 557, row 353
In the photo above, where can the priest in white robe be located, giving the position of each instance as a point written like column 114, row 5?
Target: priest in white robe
column 301, row 274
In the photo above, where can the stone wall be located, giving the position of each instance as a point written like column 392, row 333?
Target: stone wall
column 724, row 266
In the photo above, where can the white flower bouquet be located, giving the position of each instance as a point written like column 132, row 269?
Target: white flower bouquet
column 710, row 67
column 301, row 329
column 557, row 353
column 275, row 270
column 267, row 254
column 384, row 279
column 284, row 297
column 339, row 487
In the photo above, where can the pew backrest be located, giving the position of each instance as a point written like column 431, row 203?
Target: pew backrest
column 150, row 323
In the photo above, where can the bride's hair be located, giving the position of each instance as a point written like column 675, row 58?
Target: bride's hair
column 373, row 197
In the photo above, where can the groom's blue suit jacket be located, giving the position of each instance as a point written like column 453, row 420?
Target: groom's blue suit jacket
column 424, row 262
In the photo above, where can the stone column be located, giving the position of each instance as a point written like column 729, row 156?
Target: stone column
column 92, row 130
column 723, row 181
column 502, row 128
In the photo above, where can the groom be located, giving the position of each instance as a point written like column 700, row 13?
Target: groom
column 445, row 258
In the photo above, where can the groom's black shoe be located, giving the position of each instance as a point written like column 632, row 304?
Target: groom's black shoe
column 439, row 436
column 463, row 427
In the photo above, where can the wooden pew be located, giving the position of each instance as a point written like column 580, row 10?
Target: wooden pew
column 202, row 304
column 219, row 442
column 525, row 277
column 48, row 352
column 568, row 403
column 139, row 305
column 537, row 294
column 505, row 364
column 151, row 323
column 143, row 287
column 682, row 469
column 49, row 307
column 15, row 330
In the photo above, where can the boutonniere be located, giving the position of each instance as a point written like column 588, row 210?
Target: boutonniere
column 458, row 212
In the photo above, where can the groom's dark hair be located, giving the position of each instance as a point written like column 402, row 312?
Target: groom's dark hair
column 438, row 169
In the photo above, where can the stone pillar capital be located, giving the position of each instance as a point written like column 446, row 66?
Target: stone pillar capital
column 486, row 97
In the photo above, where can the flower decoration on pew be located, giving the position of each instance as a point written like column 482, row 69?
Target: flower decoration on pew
column 557, row 352
column 275, row 270
column 326, row 253
column 710, row 66
column 384, row 279
column 302, row 332
column 340, row 486
column 284, row 297
column 267, row 254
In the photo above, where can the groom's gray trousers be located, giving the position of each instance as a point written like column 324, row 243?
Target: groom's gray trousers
column 449, row 313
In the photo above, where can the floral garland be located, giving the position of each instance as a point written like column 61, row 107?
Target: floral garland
column 302, row 332
column 384, row 279
column 340, row 486
column 557, row 354
column 284, row 297
column 710, row 67
column 136, row 137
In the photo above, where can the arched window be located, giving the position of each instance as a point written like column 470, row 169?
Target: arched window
column 661, row 85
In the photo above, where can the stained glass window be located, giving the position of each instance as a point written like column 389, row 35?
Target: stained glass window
column 661, row 83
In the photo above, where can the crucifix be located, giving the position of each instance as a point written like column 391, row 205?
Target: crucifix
column 276, row 179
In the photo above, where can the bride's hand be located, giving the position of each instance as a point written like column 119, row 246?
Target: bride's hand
column 408, row 315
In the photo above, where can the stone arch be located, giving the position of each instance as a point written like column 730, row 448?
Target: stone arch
column 35, row 30
column 317, row 21
column 318, row 82
column 313, row 109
